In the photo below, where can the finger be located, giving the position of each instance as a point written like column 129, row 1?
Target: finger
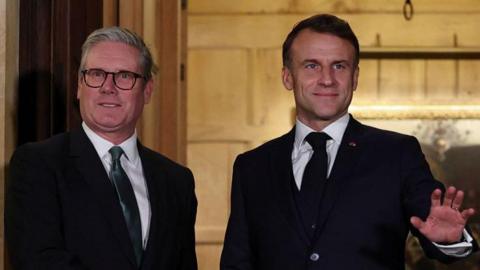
column 436, row 195
column 458, row 200
column 449, row 195
column 467, row 213
column 417, row 222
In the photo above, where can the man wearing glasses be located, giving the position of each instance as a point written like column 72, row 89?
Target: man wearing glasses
column 96, row 198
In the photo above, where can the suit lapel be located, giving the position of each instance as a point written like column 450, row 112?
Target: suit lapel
column 86, row 160
column 282, row 182
column 348, row 155
column 157, row 194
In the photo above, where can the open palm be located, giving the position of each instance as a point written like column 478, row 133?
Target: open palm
column 445, row 223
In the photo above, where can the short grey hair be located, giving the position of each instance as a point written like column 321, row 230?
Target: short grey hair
column 122, row 35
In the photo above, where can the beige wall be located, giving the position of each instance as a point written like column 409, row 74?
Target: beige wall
column 8, row 75
column 236, row 100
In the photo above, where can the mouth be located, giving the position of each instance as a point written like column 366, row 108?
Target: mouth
column 325, row 94
column 108, row 105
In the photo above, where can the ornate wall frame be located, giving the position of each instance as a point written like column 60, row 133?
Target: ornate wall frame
column 418, row 111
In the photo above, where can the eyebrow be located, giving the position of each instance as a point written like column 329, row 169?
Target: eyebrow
column 345, row 62
column 342, row 61
column 310, row 61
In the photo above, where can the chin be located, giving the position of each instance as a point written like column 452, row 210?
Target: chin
column 107, row 125
column 325, row 115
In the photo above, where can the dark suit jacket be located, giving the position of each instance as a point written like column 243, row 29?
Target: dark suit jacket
column 62, row 211
column 378, row 181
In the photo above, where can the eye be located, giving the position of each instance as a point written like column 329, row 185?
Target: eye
column 311, row 66
column 97, row 73
column 339, row 66
column 125, row 75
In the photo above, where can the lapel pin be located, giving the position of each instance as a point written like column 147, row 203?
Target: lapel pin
column 352, row 144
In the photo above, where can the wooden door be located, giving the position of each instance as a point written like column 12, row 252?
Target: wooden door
column 51, row 34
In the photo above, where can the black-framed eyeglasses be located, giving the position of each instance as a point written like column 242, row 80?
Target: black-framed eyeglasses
column 124, row 80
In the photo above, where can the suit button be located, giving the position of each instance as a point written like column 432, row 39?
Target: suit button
column 314, row 257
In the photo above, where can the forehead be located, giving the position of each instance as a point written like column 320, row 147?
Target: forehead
column 311, row 44
column 112, row 56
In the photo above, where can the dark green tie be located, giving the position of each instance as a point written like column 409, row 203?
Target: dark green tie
column 127, row 201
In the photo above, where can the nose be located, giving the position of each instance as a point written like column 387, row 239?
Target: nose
column 326, row 77
column 108, row 86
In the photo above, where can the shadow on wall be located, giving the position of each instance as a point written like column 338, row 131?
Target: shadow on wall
column 42, row 107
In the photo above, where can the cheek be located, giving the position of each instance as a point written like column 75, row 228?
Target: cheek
column 306, row 81
column 307, row 75
column 134, row 104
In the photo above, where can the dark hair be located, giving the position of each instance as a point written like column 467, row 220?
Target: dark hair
column 321, row 23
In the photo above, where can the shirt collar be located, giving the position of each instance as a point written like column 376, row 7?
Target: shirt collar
column 335, row 130
column 102, row 146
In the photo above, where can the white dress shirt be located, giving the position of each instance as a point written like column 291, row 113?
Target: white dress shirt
column 132, row 166
column 302, row 152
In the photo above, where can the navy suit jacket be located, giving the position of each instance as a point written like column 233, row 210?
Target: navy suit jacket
column 378, row 181
column 62, row 211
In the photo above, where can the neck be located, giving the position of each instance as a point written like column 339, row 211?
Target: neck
column 317, row 124
column 115, row 137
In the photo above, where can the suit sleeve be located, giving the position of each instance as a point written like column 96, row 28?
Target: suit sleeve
column 33, row 225
column 237, row 253
column 419, row 185
column 188, row 256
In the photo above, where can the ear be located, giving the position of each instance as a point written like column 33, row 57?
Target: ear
column 147, row 91
column 287, row 78
column 79, row 86
column 355, row 78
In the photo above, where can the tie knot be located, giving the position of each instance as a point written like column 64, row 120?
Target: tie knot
column 116, row 153
column 317, row 139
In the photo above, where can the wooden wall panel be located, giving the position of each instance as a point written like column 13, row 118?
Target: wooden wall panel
column 8, row 79
column 208, row 256
column 164, row 121
column 469, row 80
column 441, row 80
column 243, row 31
column 211, row 164
column 110, row 13
column 269, row 30
column 221, row 6
column 222, row 82
column 271, row 103
column 50, row 36
column 130, row 15
column 251, row 135
column 329, row 6
column 368, row 82
column 402, row 81
column 162, row 126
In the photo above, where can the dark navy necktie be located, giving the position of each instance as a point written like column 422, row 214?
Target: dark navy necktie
column 317, row 167
column 314, row 179
column 128, row 202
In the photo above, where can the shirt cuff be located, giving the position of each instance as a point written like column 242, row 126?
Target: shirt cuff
column 459, row 250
